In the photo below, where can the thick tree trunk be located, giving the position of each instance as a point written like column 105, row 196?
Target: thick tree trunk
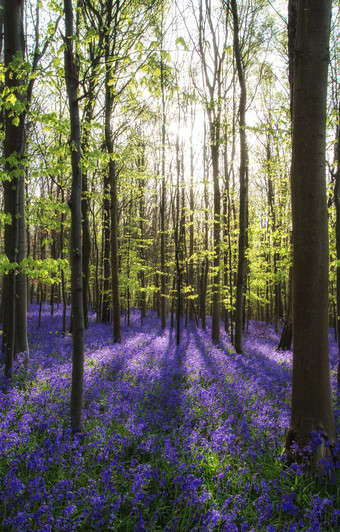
column 71, row 76
column 13, row 148
column 311, row 394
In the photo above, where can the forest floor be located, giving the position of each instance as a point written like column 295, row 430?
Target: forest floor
column 184, row 438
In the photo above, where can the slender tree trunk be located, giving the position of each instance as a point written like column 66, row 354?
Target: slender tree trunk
column 191, row 221
column 205, row 263
column 114, row 255
column 63, row 287
column 86, row 248
column 71, row 76
column 96, row 253
column 106, row 253
column 216, row 307
column 53, row 256
column 287, row 331
column 141, row 168
column 162, row 207
column 311, row 394
column 337, row 244
column 21, row 343
column 179, row 243
column 112, row 178
column 286, row 336
column 241, row 269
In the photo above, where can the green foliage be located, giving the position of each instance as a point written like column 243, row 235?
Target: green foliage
column 46, row 271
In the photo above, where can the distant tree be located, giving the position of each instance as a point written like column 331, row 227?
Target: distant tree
column 311, row 408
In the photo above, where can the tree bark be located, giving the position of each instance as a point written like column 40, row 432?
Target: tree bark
column 86, row 246
column 337, row 243
column 162, row 207
column 191, row 222
column 71, row 76
column 216, row 307
column 241, row 268
column 114, row 254
column 141, row 169
column 311, row 408
column 286, row 336
column 112, row 180
column 13, row 149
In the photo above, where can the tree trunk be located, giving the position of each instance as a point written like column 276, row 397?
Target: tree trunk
column 106, row 252
column 13, row 148
column 114, row 255
column 311, row 394
column 71, row 76
column 241, row 268
column 286, row 336
column 141, row 168
column 191, row 222
column 86, row 248
column 21, row 343
column 112, row 181
column 337, row 243
column 216, row 307
column 162, row 207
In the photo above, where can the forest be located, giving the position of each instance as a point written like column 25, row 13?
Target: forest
column 170, row 265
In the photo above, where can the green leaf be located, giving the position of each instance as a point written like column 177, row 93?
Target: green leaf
column 181, row 41
column 11, row 99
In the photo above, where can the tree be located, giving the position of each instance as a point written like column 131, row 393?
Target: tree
column 72, row 82
column 14, row 151
column 213, row 75
column 286, row 336
column 243, row 215
column 19, row 82
column 311, row 408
